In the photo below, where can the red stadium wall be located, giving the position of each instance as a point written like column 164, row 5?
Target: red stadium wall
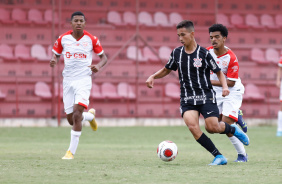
column 29, row 87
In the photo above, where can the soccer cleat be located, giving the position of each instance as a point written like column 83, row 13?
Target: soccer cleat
column 93, row 122
column 219, row 160
column 279, row 134
column 241, row 121
column 242, row 158
column 241, row 135
column 68, row 156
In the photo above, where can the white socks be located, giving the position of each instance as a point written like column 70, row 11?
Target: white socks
column 279, row 122
column 87, row 116
column 238, row 145
column 74, row 141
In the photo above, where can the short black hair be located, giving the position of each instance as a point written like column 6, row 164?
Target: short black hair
column 219, row 27
column 77, row 13
column 188, row 24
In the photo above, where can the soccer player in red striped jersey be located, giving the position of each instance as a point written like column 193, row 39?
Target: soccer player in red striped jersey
column 76, row 46
column 279, row 85
column 228, row 106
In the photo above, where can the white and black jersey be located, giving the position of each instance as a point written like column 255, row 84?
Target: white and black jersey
column 194, row 75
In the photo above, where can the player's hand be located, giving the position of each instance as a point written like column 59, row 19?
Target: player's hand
column 53, row 62
column 94, row 68
column 225, row 92
column 150, row 82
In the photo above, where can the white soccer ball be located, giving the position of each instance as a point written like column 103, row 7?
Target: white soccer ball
column 167, row 151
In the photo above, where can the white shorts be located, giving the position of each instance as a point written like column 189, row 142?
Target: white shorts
column 230, row 105
column 76, row 92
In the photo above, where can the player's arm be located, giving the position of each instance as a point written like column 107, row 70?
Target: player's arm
column 54, row 60
column 159, row 74
column 230, row 83
column 221, row 77
column 103, row 61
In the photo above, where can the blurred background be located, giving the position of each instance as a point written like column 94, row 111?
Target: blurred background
column 138, row 37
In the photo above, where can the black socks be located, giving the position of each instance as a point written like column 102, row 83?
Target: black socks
column 208, row 144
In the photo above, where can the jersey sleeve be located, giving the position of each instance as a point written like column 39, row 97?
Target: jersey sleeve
column 233, row 69
column 97, row 47
column 280, row 61
column 171, row 64
column 211, row 63
column 57, row 47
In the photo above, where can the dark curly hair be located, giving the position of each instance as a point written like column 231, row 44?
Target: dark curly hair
column 219, row 27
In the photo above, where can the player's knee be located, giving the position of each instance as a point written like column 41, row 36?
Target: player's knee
column 77, row 116
column 212, row 129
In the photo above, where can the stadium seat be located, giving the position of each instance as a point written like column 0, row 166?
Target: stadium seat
column 39, row 52
column 109, row 91
column 223, row 19
column 35, row 16
column 19, row 16
column 2, row 95
column 258, row 55
column 6, row 53
column 149, row 55
column 238, row 21
column 48, row 16
column 131, row 54
column 175, row 18
column 129, row 18
column 22, row 52
column 146, row 19
column 125, row 90
column 114, row 17
column 5, row 17
column 272, row 55
column 42, row 90
column 164, row 52
column 161, row 19
column 172, row 90
column 253, row 21
column 96, row 92
column 268, row 21
column 278, row 20
column 252, row 93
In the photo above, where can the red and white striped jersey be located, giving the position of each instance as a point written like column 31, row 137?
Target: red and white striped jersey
column 280, row 61
column 229, row 65
column 77, row 53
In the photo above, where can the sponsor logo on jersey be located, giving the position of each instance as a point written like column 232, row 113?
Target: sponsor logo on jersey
column 235, row 68
column 197, row 62
column 213, row 64
column 76, row 55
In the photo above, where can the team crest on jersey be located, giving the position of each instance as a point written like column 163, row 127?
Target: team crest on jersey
column 85, row 44
column 56, row 44
column 197, row 62
column 224, row 63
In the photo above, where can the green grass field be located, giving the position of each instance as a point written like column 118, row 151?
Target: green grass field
column 128, row 155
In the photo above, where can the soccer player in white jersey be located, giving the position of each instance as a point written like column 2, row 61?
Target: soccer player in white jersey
column 228, row 106
column 279, row 85
column 76, row 46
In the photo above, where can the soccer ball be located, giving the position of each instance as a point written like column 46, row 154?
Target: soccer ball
column 167, row 151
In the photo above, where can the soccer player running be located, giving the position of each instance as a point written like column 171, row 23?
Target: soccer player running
column 76, row 46
column 279, row 85
column 194, row 63
column 228, row 106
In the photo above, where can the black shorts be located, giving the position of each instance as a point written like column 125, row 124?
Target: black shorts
column 207, row 110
